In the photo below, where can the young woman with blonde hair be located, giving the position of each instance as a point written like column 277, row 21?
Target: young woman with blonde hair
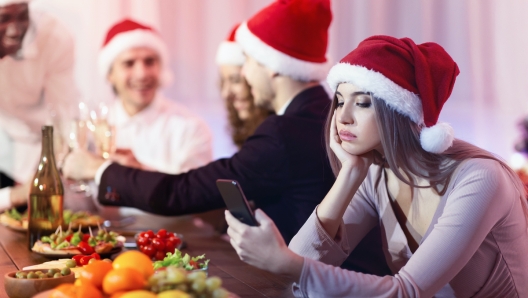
column 453, row 216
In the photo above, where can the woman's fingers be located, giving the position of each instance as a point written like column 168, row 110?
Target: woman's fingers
column 234, row 223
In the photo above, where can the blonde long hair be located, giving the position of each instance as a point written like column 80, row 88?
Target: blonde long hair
column 400, row 138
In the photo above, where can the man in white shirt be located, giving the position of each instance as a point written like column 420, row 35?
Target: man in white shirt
column 152, row 132
column 36, row 76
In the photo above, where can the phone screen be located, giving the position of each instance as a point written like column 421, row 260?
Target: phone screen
column 236, row 201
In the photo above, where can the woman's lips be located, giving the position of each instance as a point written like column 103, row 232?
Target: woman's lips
column 346, row 135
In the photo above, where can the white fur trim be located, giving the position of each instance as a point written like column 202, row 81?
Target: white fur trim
column 9, row 2
column 402, row 100
column 437, row 138
column 230, row 53
column 278, row 61
column 133, row 39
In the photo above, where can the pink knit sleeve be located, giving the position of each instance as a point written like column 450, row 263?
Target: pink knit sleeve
column 481, row 197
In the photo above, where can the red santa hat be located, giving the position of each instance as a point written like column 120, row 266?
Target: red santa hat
column 9, row 2
column 414, row 80
column 229, row 52
column 289, row 37
column 128, row 34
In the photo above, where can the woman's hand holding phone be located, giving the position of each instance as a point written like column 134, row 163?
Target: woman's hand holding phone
column 263, row 246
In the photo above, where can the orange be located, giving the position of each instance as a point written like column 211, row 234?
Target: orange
column 139, row 294
column 73, row 291
column 135, row 259
column 94, row 273
column 118, row 294
column 123, row 279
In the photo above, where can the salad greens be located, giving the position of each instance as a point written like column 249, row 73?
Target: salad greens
column 14, row 214
column 186, row 262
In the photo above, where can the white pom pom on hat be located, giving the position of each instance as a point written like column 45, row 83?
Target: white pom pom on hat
column 414, row 80
column 229, row 52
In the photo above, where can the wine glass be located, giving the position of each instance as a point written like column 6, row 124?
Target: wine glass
column 103, row 131
column 77, row 138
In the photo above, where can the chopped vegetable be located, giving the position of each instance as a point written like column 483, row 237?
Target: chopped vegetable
column 185, row 261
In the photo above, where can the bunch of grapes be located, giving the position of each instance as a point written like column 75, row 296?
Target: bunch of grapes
column 195, row 283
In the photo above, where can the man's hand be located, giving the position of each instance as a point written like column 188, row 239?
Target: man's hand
column 81, row 165
column 19, row 194
column 125, row 157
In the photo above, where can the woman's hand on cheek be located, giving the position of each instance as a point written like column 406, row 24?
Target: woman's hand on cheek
column 263, row 246
column 354, row 161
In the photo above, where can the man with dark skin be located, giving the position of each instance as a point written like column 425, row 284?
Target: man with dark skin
column 36, row 75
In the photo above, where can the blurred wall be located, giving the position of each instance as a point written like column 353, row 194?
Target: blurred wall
column 487, row 38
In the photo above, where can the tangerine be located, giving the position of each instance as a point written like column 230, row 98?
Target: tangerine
column 94, row 273
column 76, row 291
column 135, row 259
column 123, row 279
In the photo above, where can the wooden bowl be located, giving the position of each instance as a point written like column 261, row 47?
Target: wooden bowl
column 27, row 288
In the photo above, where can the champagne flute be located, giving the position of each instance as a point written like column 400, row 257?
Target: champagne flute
column 78, row 139
column 103, row 132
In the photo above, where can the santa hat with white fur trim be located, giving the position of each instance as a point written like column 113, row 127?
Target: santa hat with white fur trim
column 414, row 80
column 229, row 52
column 128, row 34
column 289, row 37
column 9, row 2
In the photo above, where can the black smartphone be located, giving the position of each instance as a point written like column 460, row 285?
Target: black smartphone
column 236, row 201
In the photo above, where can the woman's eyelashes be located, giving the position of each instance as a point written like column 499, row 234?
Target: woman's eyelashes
column 363, row 104
column 340, row 104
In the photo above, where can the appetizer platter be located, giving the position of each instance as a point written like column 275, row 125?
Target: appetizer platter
column 19, row 221
column 63, row 244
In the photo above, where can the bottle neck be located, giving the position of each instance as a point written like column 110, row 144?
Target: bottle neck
column 47, row 156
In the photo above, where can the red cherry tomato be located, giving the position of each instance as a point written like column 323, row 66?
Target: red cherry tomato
column 158, row 244
column 85, row 248
column 77, row 259
column 86, row 237
column 170, row 246
column 68, row 238
column 143, row 240
column 149, row 250
column 194, row 264
column 160, row 255
column 149, row 234
column 162, row 233
column 85, row 259
column 95, row 256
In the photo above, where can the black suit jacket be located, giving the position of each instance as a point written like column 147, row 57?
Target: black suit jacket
column 283, row 168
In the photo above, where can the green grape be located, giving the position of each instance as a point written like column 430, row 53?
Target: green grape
column 182, row 287
column 198, row 285
column 213, row 283
column 57, row 275
column 197, row 275
column 176, row 276
column 219, row 293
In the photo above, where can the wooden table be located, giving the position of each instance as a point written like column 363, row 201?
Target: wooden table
column 238, row 277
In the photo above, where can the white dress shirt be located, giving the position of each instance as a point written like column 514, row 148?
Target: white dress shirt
column 39, row 77
column 164, row 137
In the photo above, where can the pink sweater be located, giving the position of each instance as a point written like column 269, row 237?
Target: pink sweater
column 475, row 246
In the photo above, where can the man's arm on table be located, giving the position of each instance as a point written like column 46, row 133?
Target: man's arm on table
column 260, row 167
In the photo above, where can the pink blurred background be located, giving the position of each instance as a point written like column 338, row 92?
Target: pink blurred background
column 487, row 38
